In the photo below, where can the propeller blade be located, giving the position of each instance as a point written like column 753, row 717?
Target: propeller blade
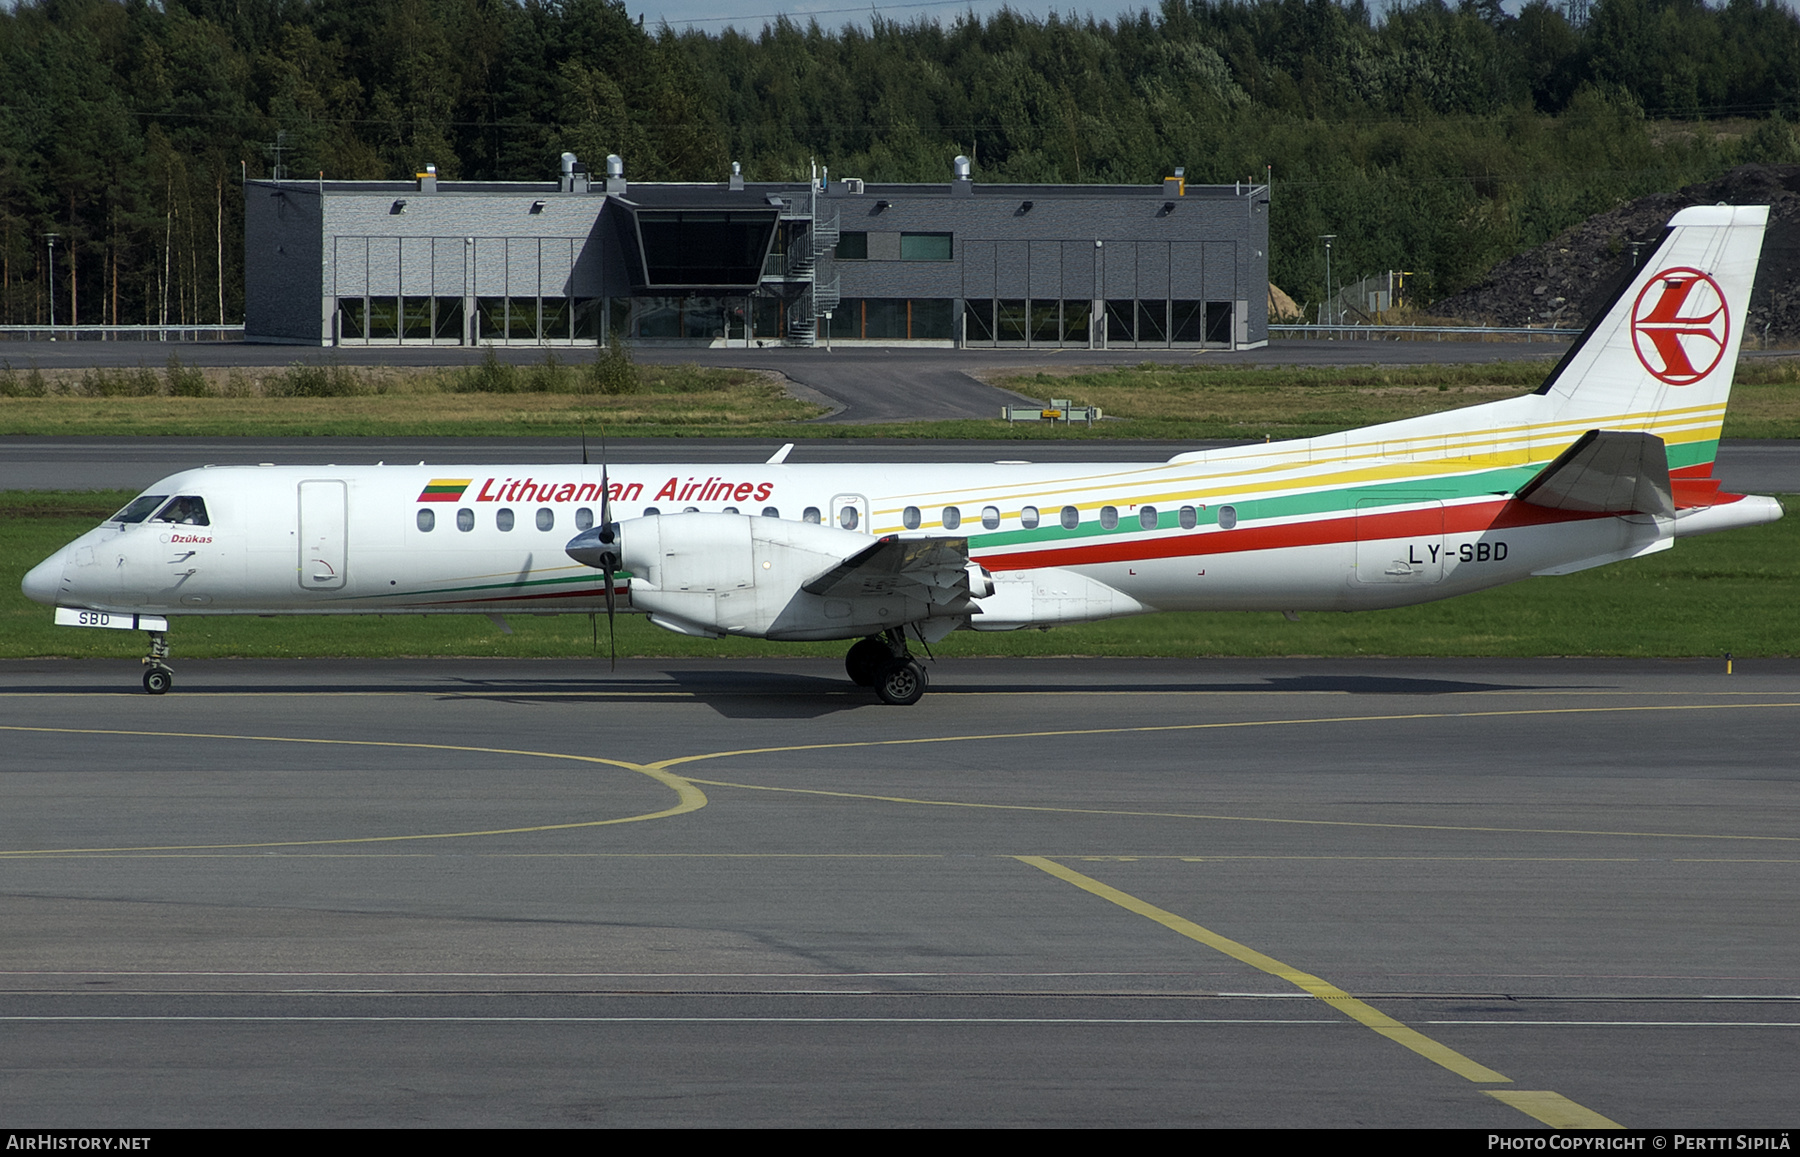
column 612, row 636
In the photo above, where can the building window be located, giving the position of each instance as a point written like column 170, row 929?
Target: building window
column 384, row 319
column 447, row 320
column 1186, row 321
column 1075, row 315
column 925, row 247
column 893, row 319
column 415, row 318
column 978, row 320
column 853, row 247
column 1153, row 322
column 352, row 318
column 1009, row 320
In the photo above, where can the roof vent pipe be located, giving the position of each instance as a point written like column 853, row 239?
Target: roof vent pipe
column 568, row 172
column 737, row 177
column 615, row 173
column 962, row 186
column 961, row 165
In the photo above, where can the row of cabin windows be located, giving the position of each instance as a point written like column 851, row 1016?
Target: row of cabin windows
column 504, row 519
column 1030, row 517
column 848, row 517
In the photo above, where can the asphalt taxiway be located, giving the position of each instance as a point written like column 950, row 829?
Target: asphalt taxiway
column 1424, row 892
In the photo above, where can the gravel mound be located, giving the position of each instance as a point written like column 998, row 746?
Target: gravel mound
column 1565, row 281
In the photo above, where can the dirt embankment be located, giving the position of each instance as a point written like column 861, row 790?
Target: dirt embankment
column 1564, row 282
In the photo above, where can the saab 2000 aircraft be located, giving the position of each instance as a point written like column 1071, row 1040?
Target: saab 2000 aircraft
column 1610, row 459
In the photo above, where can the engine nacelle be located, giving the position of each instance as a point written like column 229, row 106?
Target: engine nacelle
column 740, row 574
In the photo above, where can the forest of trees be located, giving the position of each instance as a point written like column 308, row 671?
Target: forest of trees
column 1427, row 137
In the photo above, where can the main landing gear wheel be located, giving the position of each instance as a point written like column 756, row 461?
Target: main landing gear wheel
column 865, row 660
column 158, row 680
column 901, row 683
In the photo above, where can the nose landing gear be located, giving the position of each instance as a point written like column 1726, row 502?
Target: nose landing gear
column 158, row 678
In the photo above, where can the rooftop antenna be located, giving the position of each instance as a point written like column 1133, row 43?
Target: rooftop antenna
column 278, row 171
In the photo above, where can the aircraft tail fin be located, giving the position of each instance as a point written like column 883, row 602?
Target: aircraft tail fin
column 1661, row 356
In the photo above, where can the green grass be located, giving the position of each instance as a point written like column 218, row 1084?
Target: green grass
column 1189, row 402
column 1199, row 400
column 1731, row 592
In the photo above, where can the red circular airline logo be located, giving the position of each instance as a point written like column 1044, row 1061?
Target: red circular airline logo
column 1680, row 325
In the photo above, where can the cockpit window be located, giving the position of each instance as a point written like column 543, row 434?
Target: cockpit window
column 186, row 509
column 140, row 508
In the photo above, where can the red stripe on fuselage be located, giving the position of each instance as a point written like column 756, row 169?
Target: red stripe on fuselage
column 1502, row 514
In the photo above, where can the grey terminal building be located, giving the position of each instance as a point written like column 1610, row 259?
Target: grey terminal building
column 745, row 263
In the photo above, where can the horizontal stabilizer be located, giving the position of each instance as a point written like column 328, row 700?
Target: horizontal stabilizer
column 1606, row 472
column 892, row 564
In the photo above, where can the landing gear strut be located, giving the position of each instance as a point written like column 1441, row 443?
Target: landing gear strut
column 158, row 678
column 883, row 662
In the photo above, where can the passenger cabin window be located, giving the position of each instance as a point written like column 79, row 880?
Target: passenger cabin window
column 731, row 510
column 847, row 517
column 1028, row 517
column 810, row 514
column 503, row 518
column 1109, row 518
column 649, row 510
column 1189, row 518
column 990, row 518
column 1147, row 517
column 427, row 519
column 910, row 518
column 465, row 519
column 546, row 518
column 1227, row 517
column 584, row 518
column 188, row 510
column 1071, row 518
column 771, row 512
column 952, row 518
column 139, row 508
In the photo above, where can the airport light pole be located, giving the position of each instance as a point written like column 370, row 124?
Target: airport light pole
column 1328, row 238
column 50, row 281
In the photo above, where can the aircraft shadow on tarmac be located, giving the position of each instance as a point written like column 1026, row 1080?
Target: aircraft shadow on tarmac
column 784, row 695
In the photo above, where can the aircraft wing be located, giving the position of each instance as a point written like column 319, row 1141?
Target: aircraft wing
column 1606, row 472
column 935, row 569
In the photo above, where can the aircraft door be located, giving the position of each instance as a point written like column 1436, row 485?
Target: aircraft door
column 324, row 534
column 851, row 512
column 1399, row 542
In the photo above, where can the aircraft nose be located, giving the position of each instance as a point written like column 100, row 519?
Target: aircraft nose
column 43, row 582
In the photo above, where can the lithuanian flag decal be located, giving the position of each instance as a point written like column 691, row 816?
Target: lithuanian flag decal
column 444, row 489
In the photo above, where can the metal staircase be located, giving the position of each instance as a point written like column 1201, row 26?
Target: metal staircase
column 808, row 263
